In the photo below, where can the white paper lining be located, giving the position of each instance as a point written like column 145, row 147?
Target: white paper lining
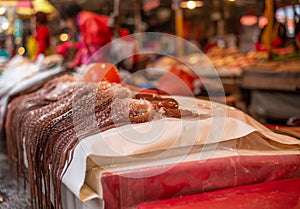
column 113, row 146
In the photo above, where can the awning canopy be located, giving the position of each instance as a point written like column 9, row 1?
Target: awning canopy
column 30, row 7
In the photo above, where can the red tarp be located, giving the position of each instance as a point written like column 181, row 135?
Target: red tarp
column 195, row 177
column 283, row 194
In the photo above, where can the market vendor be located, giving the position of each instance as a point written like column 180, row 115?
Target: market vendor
column 42, row 35
column 92, row 30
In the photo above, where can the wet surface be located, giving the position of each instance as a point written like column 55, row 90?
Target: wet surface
column 12, row 194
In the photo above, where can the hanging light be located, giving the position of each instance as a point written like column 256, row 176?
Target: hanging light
column 191, row 4
column 2, row 10
column 4, row 24
column 64, row 37
column 249, row 20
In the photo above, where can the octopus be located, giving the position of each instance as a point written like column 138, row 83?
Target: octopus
column 49, row 123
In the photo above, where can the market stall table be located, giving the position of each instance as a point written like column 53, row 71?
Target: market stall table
column 130, row 164
column 125, row 181
column 272, row 90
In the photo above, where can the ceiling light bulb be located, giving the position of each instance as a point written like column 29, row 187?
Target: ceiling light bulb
column 5, row 26
column 64, row 37
column 191, row 5
column 2, row 10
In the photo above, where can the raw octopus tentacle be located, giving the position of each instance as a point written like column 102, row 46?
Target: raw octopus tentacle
column 19, row 113
column 52, row 127
column 17, row 109
column 35, row 145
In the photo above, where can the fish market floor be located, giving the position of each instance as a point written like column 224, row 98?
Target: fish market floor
column 12, row 194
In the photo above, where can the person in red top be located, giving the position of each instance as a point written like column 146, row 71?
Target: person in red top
column 42, row 34
column 93, row 29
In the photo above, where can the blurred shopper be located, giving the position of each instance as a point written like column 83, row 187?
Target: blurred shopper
column 297, row 28
column 124, row 50
column 93, row 31
column 42, row 35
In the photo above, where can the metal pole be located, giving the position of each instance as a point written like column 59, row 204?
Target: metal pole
column 115, row 17
column 116, row 7
column 137, row 24
column 179, row 27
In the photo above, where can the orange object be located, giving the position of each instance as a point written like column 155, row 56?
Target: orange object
column 102, row 72
column 177, row 81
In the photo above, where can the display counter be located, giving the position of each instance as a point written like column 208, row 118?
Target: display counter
column 273, row 90
column 244, row 155
column 81, row 151
column 281, row 76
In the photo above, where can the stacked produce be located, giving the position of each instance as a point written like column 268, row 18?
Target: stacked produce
column 229, row 58
column 216, row 62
